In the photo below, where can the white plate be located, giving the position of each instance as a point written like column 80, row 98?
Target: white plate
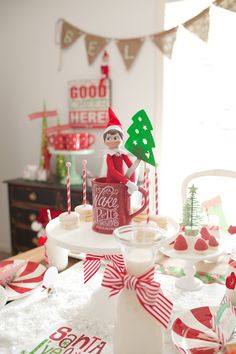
column 192, row 332
column 27, row 279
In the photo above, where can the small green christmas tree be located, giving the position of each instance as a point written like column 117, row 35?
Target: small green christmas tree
column 140, row 142
column 192, row 213
column 44, row 138
column 60, row 162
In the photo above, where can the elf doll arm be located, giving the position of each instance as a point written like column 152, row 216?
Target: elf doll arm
column 114, row 175
column 129, row 163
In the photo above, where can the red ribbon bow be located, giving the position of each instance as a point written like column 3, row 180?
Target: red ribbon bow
column 147, row 290
column 93, row 263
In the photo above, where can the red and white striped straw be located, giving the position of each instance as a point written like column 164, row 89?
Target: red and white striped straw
column 156, row 191
column 68, row 165
column 84, row 175
column 144, row 179
column 148, row 208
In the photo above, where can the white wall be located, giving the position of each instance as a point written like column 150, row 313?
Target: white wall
column 28, row 72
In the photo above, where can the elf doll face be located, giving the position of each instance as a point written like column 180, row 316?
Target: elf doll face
column 113, row 141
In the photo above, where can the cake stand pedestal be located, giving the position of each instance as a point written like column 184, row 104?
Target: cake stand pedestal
column 72, row 154
column 189, row 282
column 85, row 240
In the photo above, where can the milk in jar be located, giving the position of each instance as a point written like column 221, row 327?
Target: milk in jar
column 136, row 331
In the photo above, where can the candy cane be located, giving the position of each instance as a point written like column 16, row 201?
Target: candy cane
column 68, row 165
column 84, row 181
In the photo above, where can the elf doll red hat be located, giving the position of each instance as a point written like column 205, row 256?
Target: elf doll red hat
column 114, row 123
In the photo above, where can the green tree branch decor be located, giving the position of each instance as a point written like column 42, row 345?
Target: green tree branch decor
column 192, row 213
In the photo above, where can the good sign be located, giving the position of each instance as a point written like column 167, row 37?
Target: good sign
column 88, row 103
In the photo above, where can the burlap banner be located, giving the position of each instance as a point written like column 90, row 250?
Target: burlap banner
column 69, row 34
column 199, row 25
column 94, row 46
column 226, row 4
column 165, row 41
column 129, row 49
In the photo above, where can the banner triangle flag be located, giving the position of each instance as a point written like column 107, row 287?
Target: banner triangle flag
column 69, row 34
column 165, row 41
column 226, row 4
column 129, row 49
column 199, row 25
column 94, row 46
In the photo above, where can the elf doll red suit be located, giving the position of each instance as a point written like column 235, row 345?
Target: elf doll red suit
column 116, row 157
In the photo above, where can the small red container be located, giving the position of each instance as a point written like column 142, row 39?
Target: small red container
column 57, row 141
column 111, row 205
column 78, row 141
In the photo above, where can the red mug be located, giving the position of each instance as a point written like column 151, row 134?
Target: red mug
column 78, row 141
column 57, row 141
column 111, row 205
column 86, row 140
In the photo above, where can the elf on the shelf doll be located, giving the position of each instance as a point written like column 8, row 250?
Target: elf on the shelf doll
column 116, row 157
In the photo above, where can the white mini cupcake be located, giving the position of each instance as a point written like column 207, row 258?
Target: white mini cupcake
column 69, row 221
column 85, row 212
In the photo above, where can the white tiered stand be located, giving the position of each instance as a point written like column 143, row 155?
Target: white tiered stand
column 83, row 239
column 189, row 282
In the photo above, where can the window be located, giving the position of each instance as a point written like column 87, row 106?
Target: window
column 199, row 114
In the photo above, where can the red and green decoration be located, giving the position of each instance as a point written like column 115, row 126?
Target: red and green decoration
column 141, row 142
column 60, row 162
column 192, row 215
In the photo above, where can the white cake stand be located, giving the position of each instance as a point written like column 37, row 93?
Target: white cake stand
column 83, row 239
column 189, row 282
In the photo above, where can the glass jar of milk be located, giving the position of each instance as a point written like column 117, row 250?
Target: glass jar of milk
column 136, row 331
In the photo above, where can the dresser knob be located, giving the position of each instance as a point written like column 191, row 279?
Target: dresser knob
column 32, row 217
column 32, row 196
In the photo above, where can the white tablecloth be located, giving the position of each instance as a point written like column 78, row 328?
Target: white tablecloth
column 25, row 321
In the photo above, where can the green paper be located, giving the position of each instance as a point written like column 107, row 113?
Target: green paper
column 218, row 211
column 140, row 142
column 178, row 272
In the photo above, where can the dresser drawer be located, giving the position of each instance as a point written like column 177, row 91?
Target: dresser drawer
column 25, row 216
column 76, row 199
column 23, row 239
column 34, row 196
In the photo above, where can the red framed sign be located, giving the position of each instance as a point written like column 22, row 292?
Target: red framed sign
column 88, row 103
